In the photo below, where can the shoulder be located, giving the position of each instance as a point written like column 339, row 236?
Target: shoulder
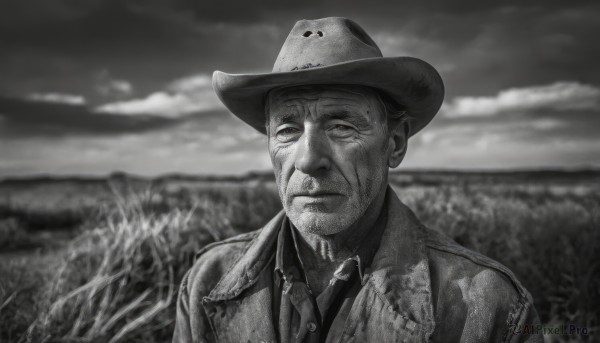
column 227, row 260
column 474, row 292
column 226, row 247
column 455, row 261
column 215, row 259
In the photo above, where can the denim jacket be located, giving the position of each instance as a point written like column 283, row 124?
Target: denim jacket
column 421, row 286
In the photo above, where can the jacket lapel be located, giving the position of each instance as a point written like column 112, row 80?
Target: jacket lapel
column 395, row 302
column 246, row 317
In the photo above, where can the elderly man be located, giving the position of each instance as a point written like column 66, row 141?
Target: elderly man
column 345, row 261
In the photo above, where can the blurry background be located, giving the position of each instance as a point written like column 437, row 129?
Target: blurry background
column 118, row 163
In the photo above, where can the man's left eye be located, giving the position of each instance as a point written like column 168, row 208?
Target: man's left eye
column 342, row 129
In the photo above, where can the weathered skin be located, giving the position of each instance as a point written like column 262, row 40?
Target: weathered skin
column 328, row 140
column 332, row 141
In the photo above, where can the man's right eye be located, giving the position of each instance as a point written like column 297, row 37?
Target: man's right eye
column 287, row 134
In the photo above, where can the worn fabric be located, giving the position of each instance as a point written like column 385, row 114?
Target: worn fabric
column 298, row 314
column 420, row 286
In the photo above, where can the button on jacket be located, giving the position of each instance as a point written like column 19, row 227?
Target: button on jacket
column 420, row 286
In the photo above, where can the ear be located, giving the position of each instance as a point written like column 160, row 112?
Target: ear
column 398, row 141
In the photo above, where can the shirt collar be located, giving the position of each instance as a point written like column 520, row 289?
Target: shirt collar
column 288, row 264
column 287, row 261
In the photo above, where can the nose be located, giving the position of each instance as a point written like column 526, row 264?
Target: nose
column 312, row 154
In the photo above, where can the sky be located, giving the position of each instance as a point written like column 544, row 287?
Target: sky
column 90, row 87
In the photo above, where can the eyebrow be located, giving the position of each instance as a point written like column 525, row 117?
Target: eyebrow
column 329, row 112
column 286, row 117
column 356, row 119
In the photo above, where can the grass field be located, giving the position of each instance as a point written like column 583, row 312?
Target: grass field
column 99, row 260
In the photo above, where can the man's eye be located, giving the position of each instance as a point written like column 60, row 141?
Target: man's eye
column 287, row 134
column 288, row 130
column 342, row 130
column 342, row 127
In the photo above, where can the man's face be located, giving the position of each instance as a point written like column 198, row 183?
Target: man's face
column 329, row 150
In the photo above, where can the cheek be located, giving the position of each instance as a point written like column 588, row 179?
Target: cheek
column 281, row 159
column 361, row 165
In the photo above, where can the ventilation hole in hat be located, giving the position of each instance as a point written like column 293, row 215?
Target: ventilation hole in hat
column 320, row 33
column 307, row 33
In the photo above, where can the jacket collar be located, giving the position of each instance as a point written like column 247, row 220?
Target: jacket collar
column 399, row 271
column 400, row 268
column 246, row 270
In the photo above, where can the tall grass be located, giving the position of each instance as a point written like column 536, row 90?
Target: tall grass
column 117, row 282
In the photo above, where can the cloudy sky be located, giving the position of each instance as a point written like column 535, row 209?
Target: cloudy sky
column 95, row 86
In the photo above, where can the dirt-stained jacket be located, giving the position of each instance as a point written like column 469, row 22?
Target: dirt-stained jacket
column 421, row 286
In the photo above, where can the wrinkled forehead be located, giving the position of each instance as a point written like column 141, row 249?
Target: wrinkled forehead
column 322, row 95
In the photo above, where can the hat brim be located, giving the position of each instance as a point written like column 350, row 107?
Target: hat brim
column 410, row 81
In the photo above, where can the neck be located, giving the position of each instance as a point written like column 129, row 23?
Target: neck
column 318, row 251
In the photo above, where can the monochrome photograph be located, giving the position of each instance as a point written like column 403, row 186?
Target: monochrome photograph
column 335, row 171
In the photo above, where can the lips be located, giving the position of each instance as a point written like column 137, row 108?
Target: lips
column 313, row 188
column 316, row 193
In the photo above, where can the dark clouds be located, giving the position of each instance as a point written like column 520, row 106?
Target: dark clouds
column 146, row 45
column 488, row 46
column 141, row 68
column 22, row 119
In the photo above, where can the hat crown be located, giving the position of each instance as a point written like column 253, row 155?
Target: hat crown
column 323, row 42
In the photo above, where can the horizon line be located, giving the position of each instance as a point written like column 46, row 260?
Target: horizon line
column 269, row 173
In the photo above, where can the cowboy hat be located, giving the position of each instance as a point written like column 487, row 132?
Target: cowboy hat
column 334, row 51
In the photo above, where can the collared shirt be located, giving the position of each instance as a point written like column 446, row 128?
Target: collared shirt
column 302, row 317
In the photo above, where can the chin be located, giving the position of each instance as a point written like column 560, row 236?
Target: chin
column 319, row 223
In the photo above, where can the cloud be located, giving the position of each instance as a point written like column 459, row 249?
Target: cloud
column 108, row 86
column 557, row 96
column 209, row 143
column 24, row 118
column 153, row 153
column 546, row 124
column 497, row 152
column 63, row 46
column 69, row 99
column 183, row 96
column 192, row 84
column 493, row 142
column 402, row 43
column 134, row 116
column 503, row 128
column 162, row 103
column 478, row 45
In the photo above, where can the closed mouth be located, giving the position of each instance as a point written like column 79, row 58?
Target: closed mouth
column 317, row 194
